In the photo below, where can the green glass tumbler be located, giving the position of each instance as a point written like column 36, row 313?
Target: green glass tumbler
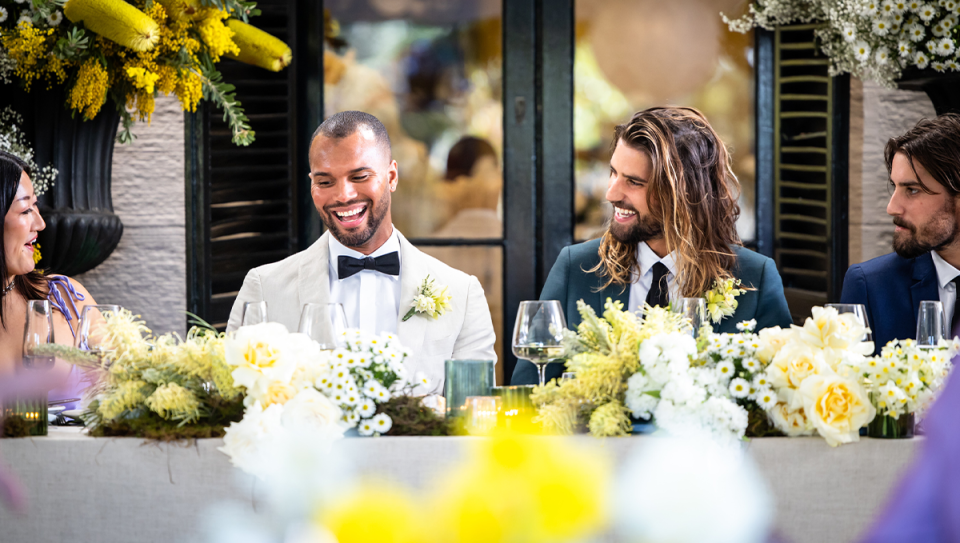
column 463, row 378
column 887, row 427
column 33, row 411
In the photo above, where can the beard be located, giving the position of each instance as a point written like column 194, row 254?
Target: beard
column 361, row 235
column 937, row 233
column 644, row 229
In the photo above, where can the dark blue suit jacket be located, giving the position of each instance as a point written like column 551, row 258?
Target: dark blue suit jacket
column 891, row 288
column 569, row 281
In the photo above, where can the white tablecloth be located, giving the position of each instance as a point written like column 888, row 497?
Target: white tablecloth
column 86, row 490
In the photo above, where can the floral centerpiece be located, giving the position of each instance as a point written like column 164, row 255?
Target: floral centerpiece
column 156, row 387
column 871, row 39
column 129, row 52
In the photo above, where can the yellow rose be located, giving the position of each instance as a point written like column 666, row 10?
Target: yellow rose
column 771, row 340
column 836, row 407
column 828, row 329
column 793, row 422
column 792, row 365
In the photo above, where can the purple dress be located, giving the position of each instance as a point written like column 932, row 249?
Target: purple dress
column 74, row 385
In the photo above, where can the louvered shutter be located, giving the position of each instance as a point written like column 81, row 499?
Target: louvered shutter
column 809, row 171
column 241, row 202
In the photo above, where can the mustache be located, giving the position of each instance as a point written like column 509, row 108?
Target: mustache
column 623, row 205
column 366, row 201
column 904, row 224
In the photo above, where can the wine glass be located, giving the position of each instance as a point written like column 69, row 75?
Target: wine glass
column 325, row 324
column 538, row 333
column 694, row 311
column 858, row 310
column 92, row 327
column 930, row 324
column 254, row 313
column 37, row 331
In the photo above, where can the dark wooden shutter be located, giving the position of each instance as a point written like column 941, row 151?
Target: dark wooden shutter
column 810, row 163
column 241, row 210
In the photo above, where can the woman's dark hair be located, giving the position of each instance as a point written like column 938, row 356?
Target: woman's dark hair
column 934, row 144
column 464, row 155
column 31, row 286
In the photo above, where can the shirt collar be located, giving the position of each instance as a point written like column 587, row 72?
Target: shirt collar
column 647, row 258
column 338, row 249
column 945, row 271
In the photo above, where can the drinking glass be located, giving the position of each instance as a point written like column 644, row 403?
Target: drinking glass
column 325, row 324
column 858, row 310
column 38, row 330
column 694, row 310
column 930, row 324
column 254, row 313
column 93, row 327
column 481, row 415
column 538, row 333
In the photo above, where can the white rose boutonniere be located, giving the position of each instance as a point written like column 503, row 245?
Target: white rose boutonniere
column 722, row 299
column 430, row 301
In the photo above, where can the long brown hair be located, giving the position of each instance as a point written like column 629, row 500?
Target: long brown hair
column 32, row 285
column 692, row 193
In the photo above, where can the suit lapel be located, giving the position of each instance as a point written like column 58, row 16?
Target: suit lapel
column 925, row 283
column 313, row 278
column 413, row 270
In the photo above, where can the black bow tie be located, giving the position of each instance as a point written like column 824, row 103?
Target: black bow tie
column 388, row 264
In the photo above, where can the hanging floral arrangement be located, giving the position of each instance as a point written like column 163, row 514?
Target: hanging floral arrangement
column 870, row 39
column 126, row 53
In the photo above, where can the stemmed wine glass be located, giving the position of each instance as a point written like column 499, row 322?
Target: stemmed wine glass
column 254, row 313
column 694, row 310
column 38, row 330
column 538, row 333
column 93, row 328
column 325, row 324
column 930, row 324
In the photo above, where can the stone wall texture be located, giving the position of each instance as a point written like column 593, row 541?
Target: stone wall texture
column 884, row 113
column 147, row 272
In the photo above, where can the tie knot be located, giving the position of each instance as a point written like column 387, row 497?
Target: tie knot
column 369, row 263
column 660, row 269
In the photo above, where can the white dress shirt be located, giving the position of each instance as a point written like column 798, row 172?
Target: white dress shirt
column 946, row 287
column 370, row 299
column 646, row 258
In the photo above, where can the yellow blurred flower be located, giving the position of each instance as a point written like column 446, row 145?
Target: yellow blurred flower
column 609, row 420
column 259, row 48
column 90, row 91
column 36, row 253
column 115, row 20
column 218, row 37
column 126, row 395
column 189, row 90
column 142, row 79
column 375, row 512
column 172, row 401
column 26, row 45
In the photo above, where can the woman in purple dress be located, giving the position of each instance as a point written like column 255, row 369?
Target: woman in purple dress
column 21, row 282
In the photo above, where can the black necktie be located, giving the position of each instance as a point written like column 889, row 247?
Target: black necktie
column 388, row 264
column 659, row 294
column 953, row 331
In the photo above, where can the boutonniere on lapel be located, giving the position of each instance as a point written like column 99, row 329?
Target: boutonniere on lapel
column 430, row 301
column 722, row 298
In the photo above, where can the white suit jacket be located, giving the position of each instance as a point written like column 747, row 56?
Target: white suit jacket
column 465, row 331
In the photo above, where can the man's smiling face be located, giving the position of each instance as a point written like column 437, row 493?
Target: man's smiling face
column 630, row 173
column 351, row 182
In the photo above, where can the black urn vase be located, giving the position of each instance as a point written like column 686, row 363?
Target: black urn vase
column 82, row 229
column 942, row 88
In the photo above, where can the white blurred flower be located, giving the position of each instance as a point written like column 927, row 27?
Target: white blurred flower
column 945, row 47
column 243, row 440
column 938, row 66
column 54, row 18
column 261, row 352
column 3, row 14
column 382, row 423
column 871, row 8
column 421, row 379
column 886, row 8
column 725, row 369
column 25, row 17
column 921, row 59
column 747, row 326
column 366, row 427
column 739, row 388
column 881, row 56
column 927, row 13
column 914, row 5
column 915, row 31
column 766, row 398
column 931, row 47
column 880, row 27
column 367, row 408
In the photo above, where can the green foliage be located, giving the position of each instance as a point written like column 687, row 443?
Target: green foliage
column 72, row 45
column 239, row 8
column 411, row 418
column 149, row 425
column 16, row 426
column 214, row 88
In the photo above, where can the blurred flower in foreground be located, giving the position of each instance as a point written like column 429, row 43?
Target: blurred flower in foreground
column 691, row 490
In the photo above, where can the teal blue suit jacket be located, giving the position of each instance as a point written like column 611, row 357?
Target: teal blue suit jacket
column 569, row 281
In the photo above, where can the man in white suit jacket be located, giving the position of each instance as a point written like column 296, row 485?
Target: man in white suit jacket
column 364, row 263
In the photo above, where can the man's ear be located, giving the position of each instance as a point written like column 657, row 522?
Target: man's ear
column 393, row 176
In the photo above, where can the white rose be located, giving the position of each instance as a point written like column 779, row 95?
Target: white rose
column 793, row 422
column 311, row 411
column 244, row 440
column 259, row 351
column 836, row 407
column 792, row 365
column 770, row 341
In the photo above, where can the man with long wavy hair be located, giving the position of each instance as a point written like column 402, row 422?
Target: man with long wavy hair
column 673, row 233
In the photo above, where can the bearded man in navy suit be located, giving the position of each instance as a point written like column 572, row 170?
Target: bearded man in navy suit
column 924, row 167
column 673, row 233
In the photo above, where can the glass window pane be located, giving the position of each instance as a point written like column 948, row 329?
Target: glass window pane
column 632, row 55
column 431, row 72
column 486, row 263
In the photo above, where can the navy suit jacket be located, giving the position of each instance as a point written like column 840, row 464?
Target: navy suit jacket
column 891, row 288
column 569, row 282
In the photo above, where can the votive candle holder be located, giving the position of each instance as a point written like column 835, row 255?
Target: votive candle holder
column 465, row 378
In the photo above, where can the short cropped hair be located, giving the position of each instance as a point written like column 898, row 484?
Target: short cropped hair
column 935, row 144
column 346, row 123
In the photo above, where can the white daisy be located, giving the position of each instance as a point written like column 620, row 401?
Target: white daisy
column 725, row 368
column 382, row 423
column 932, row 47
column 914, row 5
column 938, row 30
column 25, row 17
column 946, row 47
column 895, row 21
column 849, row 33
column 899, row 6
column 367, row 408
column 915, row 31
column 766, row 398
column 54, row 18
column 422, row 379
column 952, row 65
column 871, row 8
column 904, row 49
column 366, row 428
column 921, row 59
column 886, row 8
column 20, row 1
column 938, row 66
column 950, row 5
column 927, row 13
column 881, row 56
column 3, row 14
column 861, row 51
column 739, row 388
column 751, row 364
column 760, row 381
